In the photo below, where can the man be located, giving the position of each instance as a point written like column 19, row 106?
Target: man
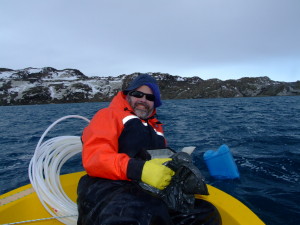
column 115, row 157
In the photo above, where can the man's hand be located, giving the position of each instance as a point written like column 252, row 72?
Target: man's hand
column 156, row 174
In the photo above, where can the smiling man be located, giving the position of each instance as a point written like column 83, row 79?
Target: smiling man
column 115, row 157
column 141, row 101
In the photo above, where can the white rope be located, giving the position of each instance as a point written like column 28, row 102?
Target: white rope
column 36, row 220
column 44, row 171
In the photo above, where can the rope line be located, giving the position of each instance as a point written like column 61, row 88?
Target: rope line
column 36, row 220
column 44, row 171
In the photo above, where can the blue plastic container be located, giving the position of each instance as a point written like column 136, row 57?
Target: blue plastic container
column 221, row 164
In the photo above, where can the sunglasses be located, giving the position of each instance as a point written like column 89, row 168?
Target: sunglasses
column 139, row 94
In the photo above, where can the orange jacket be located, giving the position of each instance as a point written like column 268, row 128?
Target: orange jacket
column 116, row 140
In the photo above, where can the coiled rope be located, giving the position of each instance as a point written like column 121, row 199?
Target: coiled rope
column 38, row 220
column 44, row 171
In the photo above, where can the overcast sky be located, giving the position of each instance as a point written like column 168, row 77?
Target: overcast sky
column 225, row 39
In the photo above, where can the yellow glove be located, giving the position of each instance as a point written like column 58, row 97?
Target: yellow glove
column 161, row 161
column 156, row 174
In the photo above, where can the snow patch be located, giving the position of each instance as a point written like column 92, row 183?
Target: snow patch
column 6, row 75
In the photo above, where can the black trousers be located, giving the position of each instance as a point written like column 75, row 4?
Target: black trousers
column 109, row 202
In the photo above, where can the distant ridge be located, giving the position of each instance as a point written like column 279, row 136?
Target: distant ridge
column 49, row 85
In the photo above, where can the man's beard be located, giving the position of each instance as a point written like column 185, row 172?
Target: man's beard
column 142, row 110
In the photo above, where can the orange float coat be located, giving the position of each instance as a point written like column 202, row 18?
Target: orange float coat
column 116, row 140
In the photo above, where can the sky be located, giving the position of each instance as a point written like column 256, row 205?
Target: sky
column 224, row 39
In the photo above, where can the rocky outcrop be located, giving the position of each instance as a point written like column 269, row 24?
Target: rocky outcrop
column 48, row 85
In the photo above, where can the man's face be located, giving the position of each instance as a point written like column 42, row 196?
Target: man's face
column 142, row 107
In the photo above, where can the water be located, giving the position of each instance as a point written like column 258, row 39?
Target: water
column 262, row 133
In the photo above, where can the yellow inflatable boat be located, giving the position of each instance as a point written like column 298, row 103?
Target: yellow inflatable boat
column 22, row 205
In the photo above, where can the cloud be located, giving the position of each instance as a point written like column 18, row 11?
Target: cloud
column 178, row 37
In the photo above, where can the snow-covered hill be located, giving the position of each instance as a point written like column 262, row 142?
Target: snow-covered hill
column 48, row 85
